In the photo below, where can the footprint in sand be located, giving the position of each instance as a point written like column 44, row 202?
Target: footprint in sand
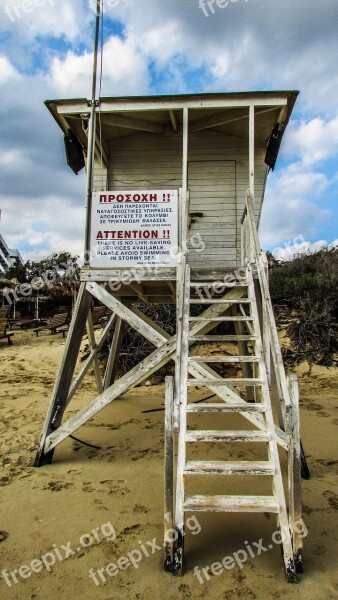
column 57, row 486
column 314, row 406
column 139, row 508
column 3, row 535
column 99, row 504
column 87, row 487
column 332, row 499
column 185, row 590
column 239, row 592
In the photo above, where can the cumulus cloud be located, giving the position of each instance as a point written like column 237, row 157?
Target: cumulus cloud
column 292, row 205
column 312, row 141
column 124, row 70
column 36, row 233
column 44, row 18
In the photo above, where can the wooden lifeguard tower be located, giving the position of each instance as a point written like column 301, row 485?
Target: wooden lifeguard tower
column 175, row 187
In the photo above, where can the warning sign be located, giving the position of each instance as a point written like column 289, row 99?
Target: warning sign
column 137, row 228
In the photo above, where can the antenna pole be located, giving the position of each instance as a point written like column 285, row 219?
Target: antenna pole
column 91, row 140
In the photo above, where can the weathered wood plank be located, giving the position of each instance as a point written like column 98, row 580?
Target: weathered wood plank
column 231, row 504
column 218, row 467
column 168, row 473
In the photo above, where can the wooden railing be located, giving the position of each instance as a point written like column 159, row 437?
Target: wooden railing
column 253, row 256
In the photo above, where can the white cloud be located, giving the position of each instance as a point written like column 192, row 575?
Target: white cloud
column 292, row 205
column 52, row 224
column 312, row 141
column 297, row 246
column 7, row 71
column 124, row 71
column 44, row 17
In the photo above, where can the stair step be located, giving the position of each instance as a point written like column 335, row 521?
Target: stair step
column 227, row 436
column 254, row 504
column 219, row 467
column 227, row 319
column 222, row 338
column 224, row 359
column 218, row 284
column 223, row 407
column 220, row 301
column 229, row 381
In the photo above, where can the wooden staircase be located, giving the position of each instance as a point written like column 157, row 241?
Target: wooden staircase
column 248, row 397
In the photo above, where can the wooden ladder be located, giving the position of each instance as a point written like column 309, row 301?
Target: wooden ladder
column 252, row 386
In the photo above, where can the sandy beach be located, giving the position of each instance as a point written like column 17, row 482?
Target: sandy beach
column 92, row 507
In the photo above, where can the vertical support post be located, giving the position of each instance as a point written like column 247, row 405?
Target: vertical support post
column 59, row 398
column 181, row 454
column 113, row 358
column 91, row 140
column 92, row 343
column 243, row 350
column 294, row 472
column 265, row 327
column 252, row 152
column 242, row 244
column 168, row 475
column 183, row 232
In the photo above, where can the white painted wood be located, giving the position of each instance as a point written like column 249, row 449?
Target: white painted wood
column 216, row 435
column 221, row 319
column 63, row 381
column 126, row 105
column 223, row 359
column 93, row 346
column 277, row 360
column 166, row 351
column 252, row 152
column 80, row 376
column 183, row 397
column 131, row 123
column 124, row 313
column 218, row 467
column 144, row 159
column 232, row 381
column 263, row 504
column 242, row 407
column 112, row 362
column 294, row 471
column 168, row 470
column 222, row 119
column 278, row 488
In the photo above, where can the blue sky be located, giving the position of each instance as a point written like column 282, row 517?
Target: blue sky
column 156, row 47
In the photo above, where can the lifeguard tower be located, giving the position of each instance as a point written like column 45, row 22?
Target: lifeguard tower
column 174, row 196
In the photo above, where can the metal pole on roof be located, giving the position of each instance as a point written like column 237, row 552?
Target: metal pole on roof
column 91, row 139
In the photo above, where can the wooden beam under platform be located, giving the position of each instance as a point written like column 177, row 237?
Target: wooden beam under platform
column 166, row 349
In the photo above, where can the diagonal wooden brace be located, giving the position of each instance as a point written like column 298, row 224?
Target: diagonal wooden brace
column 166, row 350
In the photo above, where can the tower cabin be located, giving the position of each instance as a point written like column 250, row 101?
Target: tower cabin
column 175, row 188
column 213, row 146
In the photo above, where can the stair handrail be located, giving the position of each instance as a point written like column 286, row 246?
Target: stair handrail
column 252, row 254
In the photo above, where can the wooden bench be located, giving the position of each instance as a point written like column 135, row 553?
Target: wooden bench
column 3, row 330
column 59, row 323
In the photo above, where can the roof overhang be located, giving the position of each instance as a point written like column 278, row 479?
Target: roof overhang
column 225, row 113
